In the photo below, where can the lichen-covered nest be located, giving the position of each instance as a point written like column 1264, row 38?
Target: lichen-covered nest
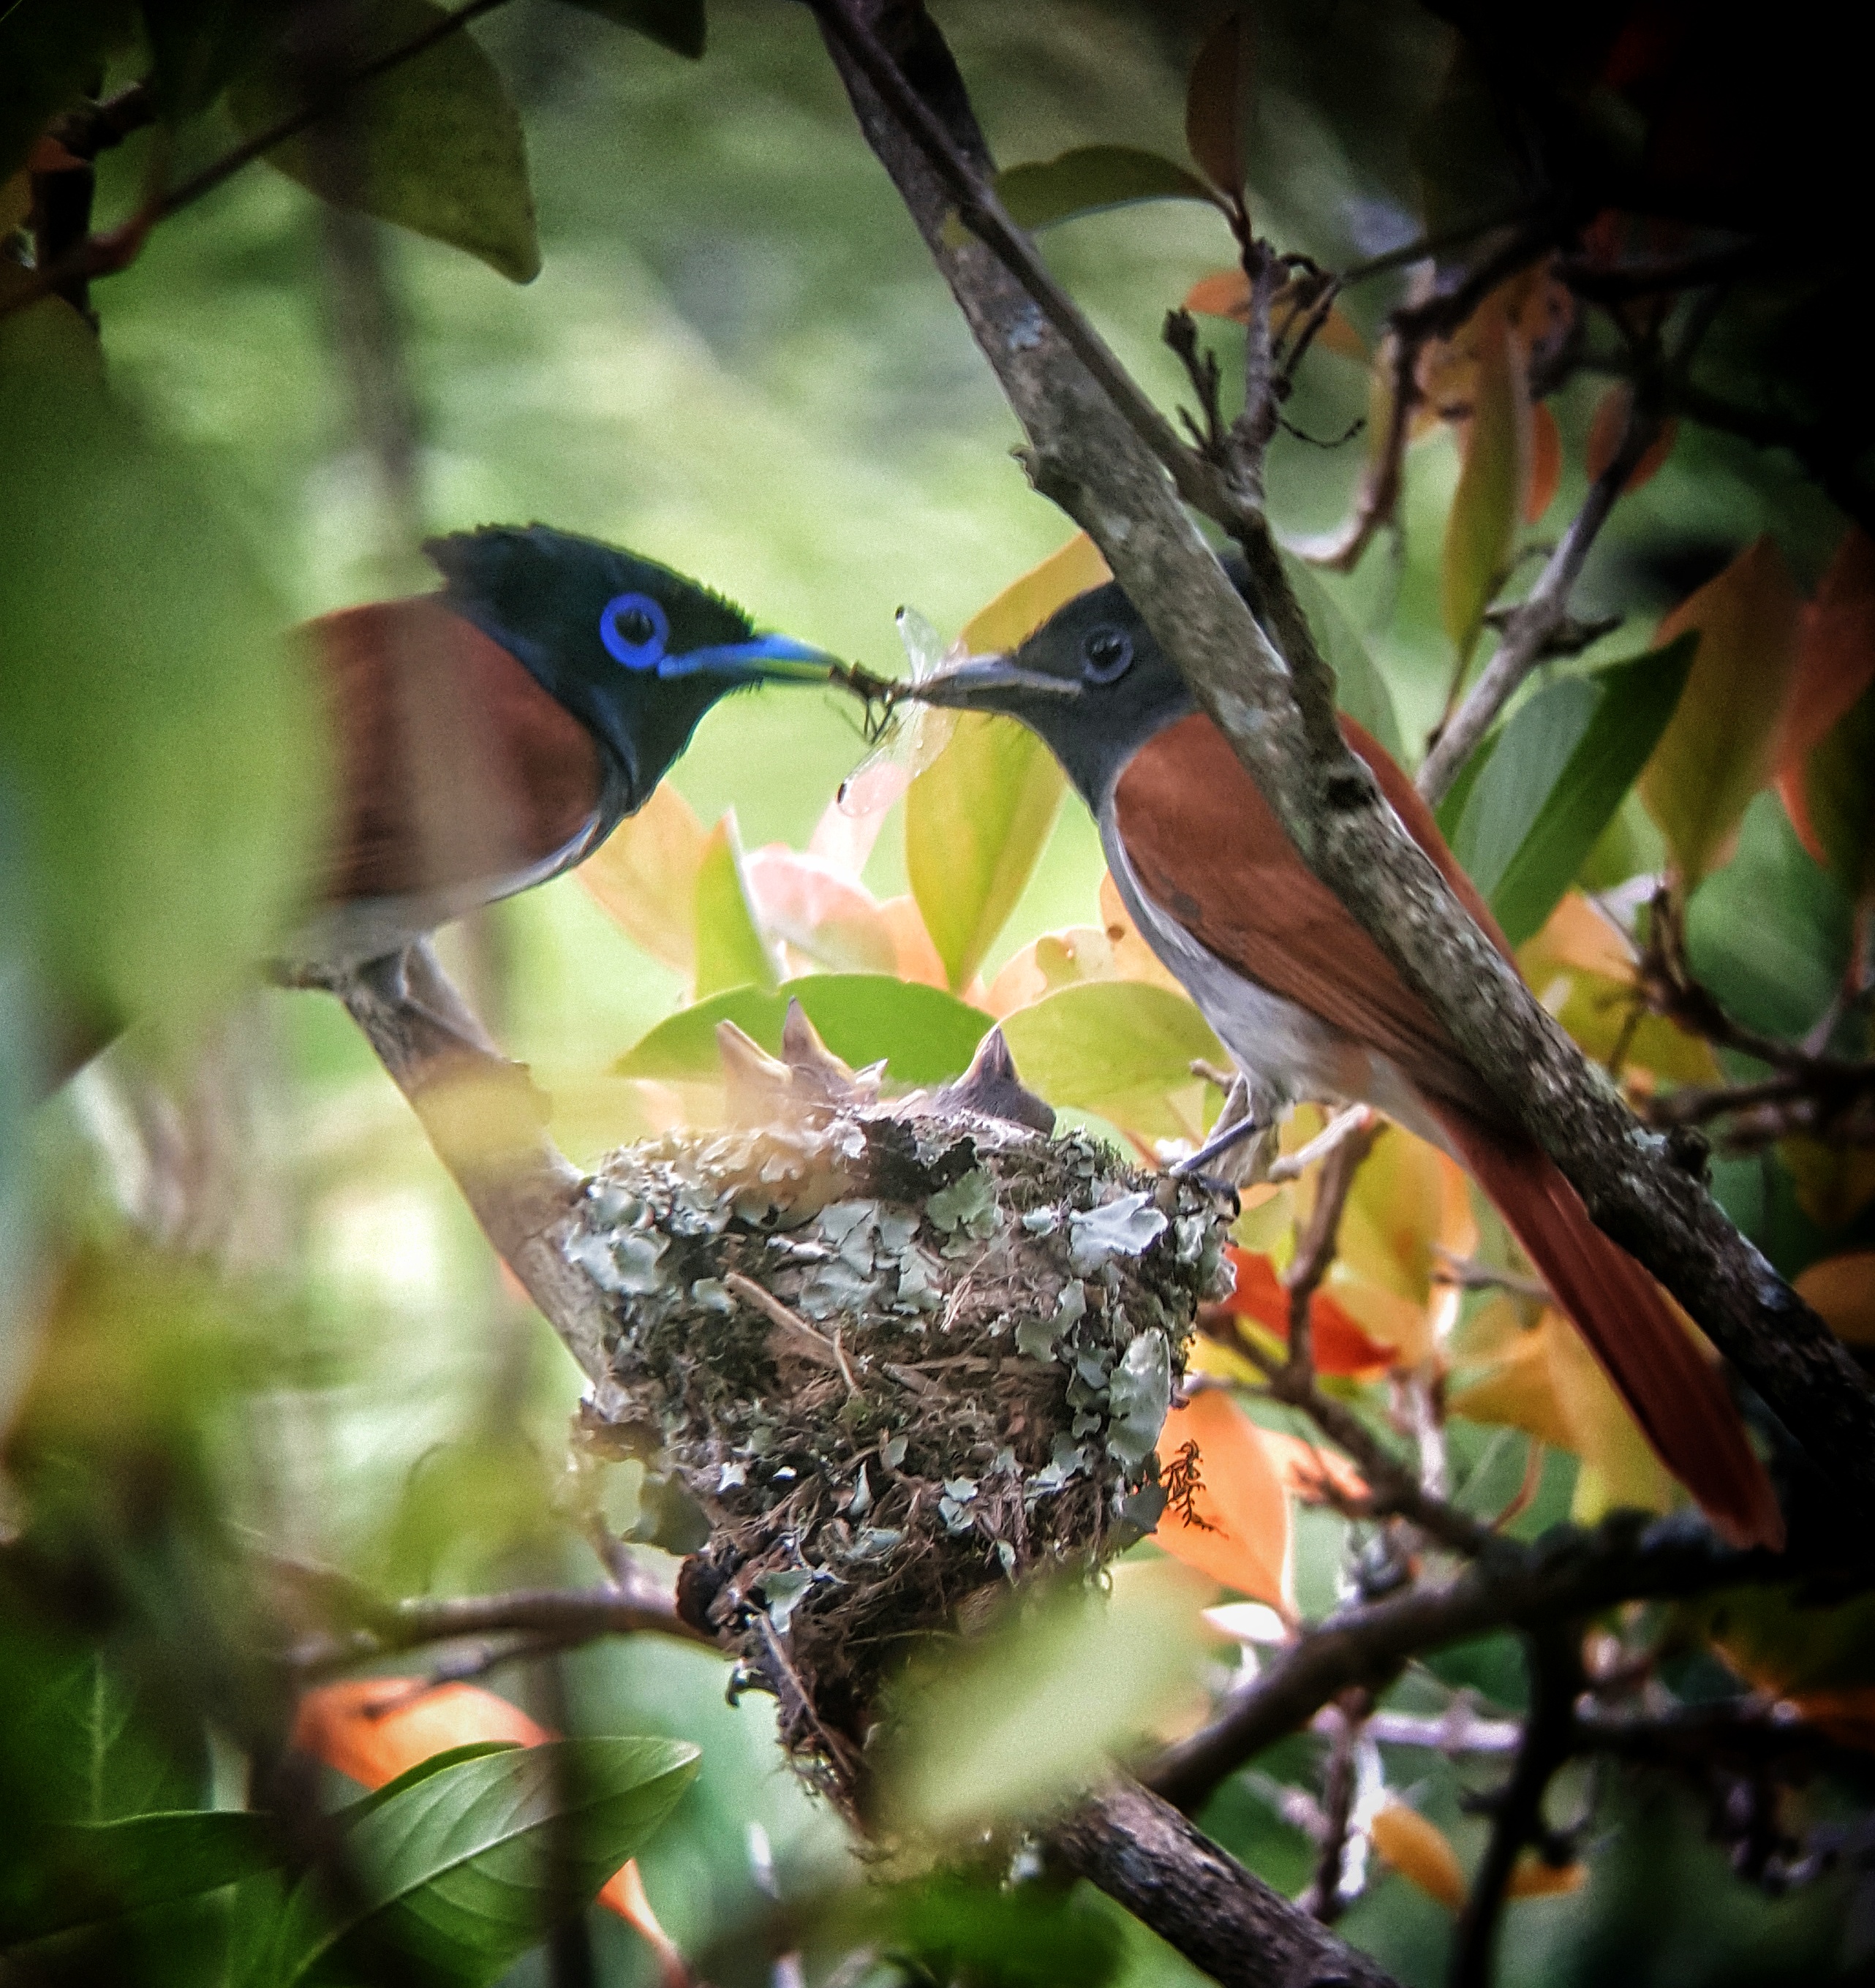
column 899, row 1355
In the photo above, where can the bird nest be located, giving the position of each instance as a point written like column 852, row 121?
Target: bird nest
column 900, row 1355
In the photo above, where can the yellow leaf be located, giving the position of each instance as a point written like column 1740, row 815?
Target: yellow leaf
column 1407, row 1196
column 1843, row 1289
column 976, row 822
column 1056, row 959
column 1517, row 1388
column 1242, row 1538
column 1026, row 604
column 644, row 876
column 1533, row 1878
column 1718, row 747
column 730, row 949
column 1834, row 1183
column 1619, row 1467
column 1421, row 1852
column 1489, row 501
column 1133, row 959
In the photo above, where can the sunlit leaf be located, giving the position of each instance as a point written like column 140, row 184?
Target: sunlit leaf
column 676, row 25
column 1214, row 103
column 732, row 950
column 1619, row 1467
column 819, row 912
column 1090, row 180
column 1122, row 1049
column 1606, row 428
column 645, row 876
column 82, row 1872
column 1238, row 1531
column 1481, row 525
column 976, row 822
column 923, row 1034
column 1004, row 1728
column 1406, row 1197
column 1843, row 1289
column 1716, row 752
column 1516, row 1388
column 1835, row 663
column 1421, row 1852
column 434, row 144
column 1545, row 463
column 466, row 1869
column 1026, row 603
column 1056, row 959
column 1555, row 778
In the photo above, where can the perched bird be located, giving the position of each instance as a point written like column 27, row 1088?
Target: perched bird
column 1311, row 1007
column 493, row 734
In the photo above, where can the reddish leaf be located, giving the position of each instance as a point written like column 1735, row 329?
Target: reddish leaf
column 1213, row 127
column 1545, row 463
column 1716, row 752
column 1242, row 1536
column 1835, row 663
column 1340, row 1345
column 1606, row 427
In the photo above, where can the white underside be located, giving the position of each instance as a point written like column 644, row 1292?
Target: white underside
column 341, row 937
column 1287, row 1053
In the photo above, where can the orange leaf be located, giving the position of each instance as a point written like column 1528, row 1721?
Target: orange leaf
column 1244, row 1538
column 1608, row 424
column 1847, row 1715
column 1311, row 1472
column 1533, row 1878
column 1339, row 1345
column 374, row 1729
column 1223, row 293
column 1420, row 1851
column 1546, row 462
column 1835, row 663
column 1715, row 752
column 1226, row 293
column 1213, row 127
column 1843, row 1289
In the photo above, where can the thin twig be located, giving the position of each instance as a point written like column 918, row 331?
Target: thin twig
column 1555, row 1678
column 1324, row 1896
column 105, row 254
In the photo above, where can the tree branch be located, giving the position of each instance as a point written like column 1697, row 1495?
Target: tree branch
column 1141, row 1851
column 1277, row 709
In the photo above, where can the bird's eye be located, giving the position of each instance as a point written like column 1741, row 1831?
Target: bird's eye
column 634, row 629
column 1104, row 655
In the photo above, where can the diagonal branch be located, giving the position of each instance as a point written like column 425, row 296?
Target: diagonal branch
column 1273, row 701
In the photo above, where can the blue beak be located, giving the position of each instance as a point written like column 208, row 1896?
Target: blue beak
column 767, row 659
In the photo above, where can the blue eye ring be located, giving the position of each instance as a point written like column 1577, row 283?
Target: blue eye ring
column 645, row 654
column 1106, row 655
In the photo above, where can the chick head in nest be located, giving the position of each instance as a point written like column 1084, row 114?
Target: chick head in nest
column 899, row 1354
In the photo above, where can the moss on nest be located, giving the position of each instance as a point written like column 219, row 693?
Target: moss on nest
column 900, row 1355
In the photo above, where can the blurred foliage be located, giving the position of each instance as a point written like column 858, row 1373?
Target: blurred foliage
column 252, row 1346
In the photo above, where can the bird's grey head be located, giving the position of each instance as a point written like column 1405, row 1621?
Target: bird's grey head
column 1091, row 682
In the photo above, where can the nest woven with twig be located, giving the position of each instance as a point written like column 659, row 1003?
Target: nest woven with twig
column 900, row 1355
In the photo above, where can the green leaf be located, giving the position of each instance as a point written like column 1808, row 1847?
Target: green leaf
column 163, row 745
column 437, row 1763
column 1214, row 102
column 84, row 1872
column 1122, row 1049
column 1558, row 774
column 676, row 25
column 731, row 951
column 1481, row 525
column 48, row 56
column 433, row 143
column 924, row 1035
column 1716, row 752
column 466, row 1869
column 976, row 820
column 1090, row 180
column 198, row 47
column 1360, row 690
column 1838, row 782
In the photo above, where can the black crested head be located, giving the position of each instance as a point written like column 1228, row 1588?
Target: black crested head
column 638, row 653
column 1091, row 681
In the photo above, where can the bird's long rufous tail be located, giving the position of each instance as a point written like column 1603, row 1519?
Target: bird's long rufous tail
column 1677, row 1396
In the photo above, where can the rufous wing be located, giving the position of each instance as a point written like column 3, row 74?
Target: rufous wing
column 454, row 765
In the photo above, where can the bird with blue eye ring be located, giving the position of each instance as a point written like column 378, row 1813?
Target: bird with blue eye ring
column 570, row 674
